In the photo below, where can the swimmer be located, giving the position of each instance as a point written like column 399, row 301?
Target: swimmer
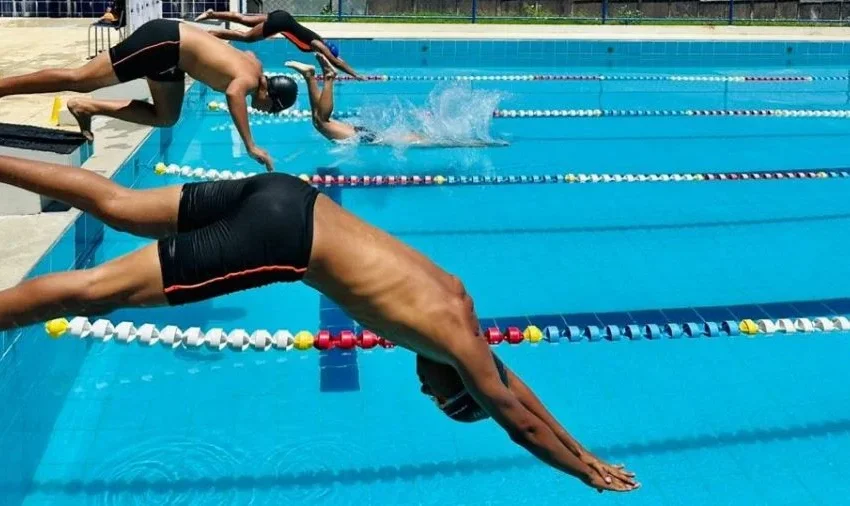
column 322, row 106
column 216, row 238
column 161, row 51
column 264, row 26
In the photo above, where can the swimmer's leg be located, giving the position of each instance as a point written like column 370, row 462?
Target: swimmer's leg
column 233, row 17
column 309, row 75
column 334, row 130
column 134, row 280
column 92, row 76
column 147, row 213
column 326, row 101
column 163, row 112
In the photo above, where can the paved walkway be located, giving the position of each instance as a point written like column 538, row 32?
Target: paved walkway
column 33, row 45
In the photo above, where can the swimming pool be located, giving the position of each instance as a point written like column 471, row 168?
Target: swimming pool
column 726, row 420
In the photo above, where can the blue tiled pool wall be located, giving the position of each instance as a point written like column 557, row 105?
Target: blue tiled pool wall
column 470, row 54
column 36, row 374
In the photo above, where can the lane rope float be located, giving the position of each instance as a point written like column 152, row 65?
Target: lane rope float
column 218, row 339
column 295, row 115
column 439, row 180
column 747, row 78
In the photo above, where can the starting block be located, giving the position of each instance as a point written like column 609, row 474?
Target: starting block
column 40, row 144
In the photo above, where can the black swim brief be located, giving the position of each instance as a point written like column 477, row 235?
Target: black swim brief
column 236, row 235
column 152, row 51
column 365, row 135
column 283, row 23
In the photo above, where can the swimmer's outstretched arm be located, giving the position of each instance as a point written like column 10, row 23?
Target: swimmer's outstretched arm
column 238, row 107
column 533, row 404
column 526, row 428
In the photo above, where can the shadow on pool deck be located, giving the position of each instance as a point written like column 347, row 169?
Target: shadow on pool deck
column 412, row 471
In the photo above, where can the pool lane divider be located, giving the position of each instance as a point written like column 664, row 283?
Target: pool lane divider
column 582, row 77
column 326, row 180
column 297, row 115
column 217, row 339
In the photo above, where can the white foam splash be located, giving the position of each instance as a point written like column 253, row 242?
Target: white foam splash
column 453, row 114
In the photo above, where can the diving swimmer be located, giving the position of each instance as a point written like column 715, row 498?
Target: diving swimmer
column 161, row 51
column 264, row 26
column 216, row 238
column 322, row 106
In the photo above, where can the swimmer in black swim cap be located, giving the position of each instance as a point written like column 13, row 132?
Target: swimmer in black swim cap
column 264, row 26
column 162, row 52
column 282, row 93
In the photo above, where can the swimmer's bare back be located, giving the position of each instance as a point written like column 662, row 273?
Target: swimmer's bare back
column 386, row 285
column 213, row 61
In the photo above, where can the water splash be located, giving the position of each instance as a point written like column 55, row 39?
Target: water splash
column 454, row 114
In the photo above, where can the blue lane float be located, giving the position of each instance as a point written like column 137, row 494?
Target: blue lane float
column 653, row 331
column 711, row 329
column 612, row 332
column 673, row 330
column 633, row 332
column 573, row 333
column 693, row 329
column 592, row 333
column 730, row 328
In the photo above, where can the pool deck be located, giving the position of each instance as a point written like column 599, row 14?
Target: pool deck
column 30, row 45
column 36, row 43
column 579, row 32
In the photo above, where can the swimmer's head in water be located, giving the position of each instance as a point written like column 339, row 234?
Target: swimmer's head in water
column 281, row 92
column 443, row 384
column 334, row 49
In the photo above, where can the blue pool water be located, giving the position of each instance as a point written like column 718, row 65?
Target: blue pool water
column 702, row 421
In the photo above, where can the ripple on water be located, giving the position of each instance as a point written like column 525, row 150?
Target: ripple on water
column 171, row 471
column 313, row 469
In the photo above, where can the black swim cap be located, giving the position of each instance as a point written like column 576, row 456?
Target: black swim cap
column 282, row 91
column 462, row 407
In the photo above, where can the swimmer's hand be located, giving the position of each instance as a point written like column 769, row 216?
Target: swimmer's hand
column 607, row 477
column 261, row 156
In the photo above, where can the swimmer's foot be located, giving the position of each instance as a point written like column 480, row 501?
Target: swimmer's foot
column 205, row 16
column 328, row 71
column 302, row 68
column 83, row 118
